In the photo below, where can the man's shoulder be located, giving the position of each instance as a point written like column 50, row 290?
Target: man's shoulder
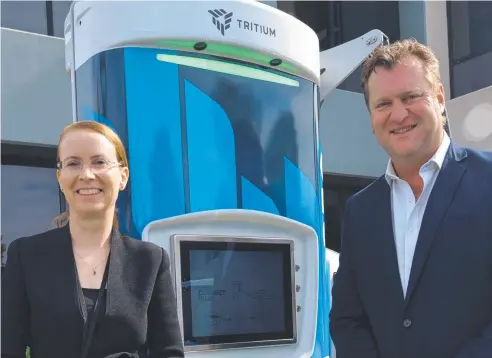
column 479, row 166
column 368, row 196
column 480, row 157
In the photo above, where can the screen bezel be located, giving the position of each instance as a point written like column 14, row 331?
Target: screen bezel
column 203, row 242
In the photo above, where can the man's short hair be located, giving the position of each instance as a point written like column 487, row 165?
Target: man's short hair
column 388, row 56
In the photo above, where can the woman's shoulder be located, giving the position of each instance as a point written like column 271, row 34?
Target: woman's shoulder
column 42, row 238
column 138, row 244
column 145, row 248
column 36, row 245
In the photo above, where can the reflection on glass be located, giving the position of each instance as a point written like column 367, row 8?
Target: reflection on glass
column 30, row 201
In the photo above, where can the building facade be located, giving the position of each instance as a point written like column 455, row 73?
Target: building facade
column 36, row 98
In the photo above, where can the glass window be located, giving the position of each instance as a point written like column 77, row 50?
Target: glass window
column 470, row 45
column 333, row 218
column 336, row 22
column 30, row 201
column 471, row 75
column 360, row 17
column 337, row 190
column 469, row 29
column 60, row 11
column 27, row 16
column 321, row 16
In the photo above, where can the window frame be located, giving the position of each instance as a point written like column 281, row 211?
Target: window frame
column 48, row 19
column 468, row 57
column 452, row 61
column 31, row 155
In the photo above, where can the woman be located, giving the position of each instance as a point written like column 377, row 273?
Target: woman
column 82, row 289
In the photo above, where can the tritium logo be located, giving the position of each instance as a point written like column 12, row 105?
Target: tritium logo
column 221, row 19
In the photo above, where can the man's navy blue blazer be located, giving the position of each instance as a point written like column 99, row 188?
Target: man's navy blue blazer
column 447, row 312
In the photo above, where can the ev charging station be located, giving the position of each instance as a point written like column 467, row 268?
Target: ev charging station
column 217, row 104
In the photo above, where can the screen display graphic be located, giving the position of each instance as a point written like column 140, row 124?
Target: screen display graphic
column 236, row 292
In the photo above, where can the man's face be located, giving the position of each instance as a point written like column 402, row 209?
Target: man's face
column 406, row 110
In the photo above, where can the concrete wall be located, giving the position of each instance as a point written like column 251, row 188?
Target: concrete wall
column 36, row 98
column 470, row 119
column 349, row 145
column 412, row 20
column 436, row 27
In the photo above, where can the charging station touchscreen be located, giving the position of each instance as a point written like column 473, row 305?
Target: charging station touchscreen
column 245, row 293
column 236, row 292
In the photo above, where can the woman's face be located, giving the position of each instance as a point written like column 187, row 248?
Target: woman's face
column 90, row 175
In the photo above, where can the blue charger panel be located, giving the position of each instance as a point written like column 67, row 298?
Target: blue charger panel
column 221, row 136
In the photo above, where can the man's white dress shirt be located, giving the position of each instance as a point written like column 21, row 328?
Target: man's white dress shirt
column 408, row 213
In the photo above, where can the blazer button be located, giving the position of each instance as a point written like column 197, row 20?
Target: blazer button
column 407, row 323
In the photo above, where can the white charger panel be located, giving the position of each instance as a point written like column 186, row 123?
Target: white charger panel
column 201, row 244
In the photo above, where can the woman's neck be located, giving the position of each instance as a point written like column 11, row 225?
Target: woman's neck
column 90, row 233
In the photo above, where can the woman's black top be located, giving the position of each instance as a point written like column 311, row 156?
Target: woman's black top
column 90, row 296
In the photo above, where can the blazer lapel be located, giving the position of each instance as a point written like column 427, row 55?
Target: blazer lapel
column 65, row 274
column 115, row 285
column 439, row 201
column 387, row 249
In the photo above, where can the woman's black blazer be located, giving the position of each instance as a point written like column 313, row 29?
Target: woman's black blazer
column 41, row 301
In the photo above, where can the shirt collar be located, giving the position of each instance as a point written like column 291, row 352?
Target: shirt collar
column 437, row 159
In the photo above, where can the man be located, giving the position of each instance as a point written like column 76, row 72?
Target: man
column 415, row 274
